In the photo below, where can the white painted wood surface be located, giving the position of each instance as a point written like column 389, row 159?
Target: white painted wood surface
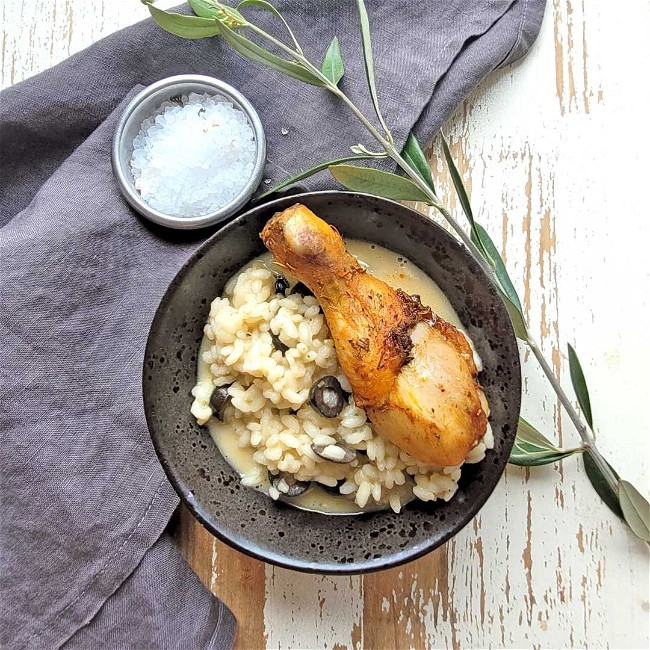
column 555, row 150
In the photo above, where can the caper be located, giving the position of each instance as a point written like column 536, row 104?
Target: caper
column 295, row 487
column 327, row 396
column 219, row 400
column 281, row 284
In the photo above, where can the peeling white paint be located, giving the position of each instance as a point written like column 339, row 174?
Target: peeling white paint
column 311, row 611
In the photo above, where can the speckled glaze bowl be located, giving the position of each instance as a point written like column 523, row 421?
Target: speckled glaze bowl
column 249, row 520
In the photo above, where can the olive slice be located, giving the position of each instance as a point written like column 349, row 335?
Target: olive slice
column 327, row 396
column 302, row 289
column 336, row 490
column 278, row 344
column 335, row 453
column 219, row 400
column 296, row 488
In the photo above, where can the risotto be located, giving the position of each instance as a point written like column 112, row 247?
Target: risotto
column 266, row 344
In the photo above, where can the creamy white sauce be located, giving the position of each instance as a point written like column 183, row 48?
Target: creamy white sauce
column 401, row 273
column 395, row 270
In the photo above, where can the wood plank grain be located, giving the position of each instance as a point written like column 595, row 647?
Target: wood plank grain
column 398, row 601
column 37, row 34
column 232, row 576
column 239, row 581
column 536, row 181
column 311, row 611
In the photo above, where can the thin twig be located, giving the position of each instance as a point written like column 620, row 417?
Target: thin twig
column 583, row 432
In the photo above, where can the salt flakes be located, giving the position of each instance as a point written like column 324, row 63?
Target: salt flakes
column 193, row 157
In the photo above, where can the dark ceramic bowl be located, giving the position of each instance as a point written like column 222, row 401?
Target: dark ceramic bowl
column 249, row 520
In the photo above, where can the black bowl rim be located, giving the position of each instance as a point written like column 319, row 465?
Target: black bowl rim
column 252, row 550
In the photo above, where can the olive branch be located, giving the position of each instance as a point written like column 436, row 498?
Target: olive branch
column 415, row 183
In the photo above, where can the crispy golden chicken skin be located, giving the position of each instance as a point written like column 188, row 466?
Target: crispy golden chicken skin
column 411, row 371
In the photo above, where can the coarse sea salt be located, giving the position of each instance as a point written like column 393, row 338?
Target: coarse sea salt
column 194, row 156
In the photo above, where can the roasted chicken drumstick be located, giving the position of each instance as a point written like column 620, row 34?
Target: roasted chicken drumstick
column 412, row 372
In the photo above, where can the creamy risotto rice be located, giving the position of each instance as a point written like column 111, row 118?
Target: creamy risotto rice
column 270, row 416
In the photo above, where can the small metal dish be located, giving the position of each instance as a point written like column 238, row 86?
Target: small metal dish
column 145, row 104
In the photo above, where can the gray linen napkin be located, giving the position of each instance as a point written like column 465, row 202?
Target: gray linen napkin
column 84, row 499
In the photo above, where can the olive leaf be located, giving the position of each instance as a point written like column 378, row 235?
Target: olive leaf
column 415, row 157
column 532, row 448
column 267, row 6
column 601, row 484
column 499, row 267
column 332, row 66
column 580, row 385
column 311, row 171
column 486, row 247
column 460, row 189
column 181, row 25
column 255, row 53
column 366, row 43
column 627, row 503
column 636, row 509
column 204, row 8
column 595, row 475
column 505, row 286
column 377, row 182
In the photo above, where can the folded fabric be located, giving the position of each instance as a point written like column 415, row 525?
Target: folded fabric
column 84, row 499
column 158, row 602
